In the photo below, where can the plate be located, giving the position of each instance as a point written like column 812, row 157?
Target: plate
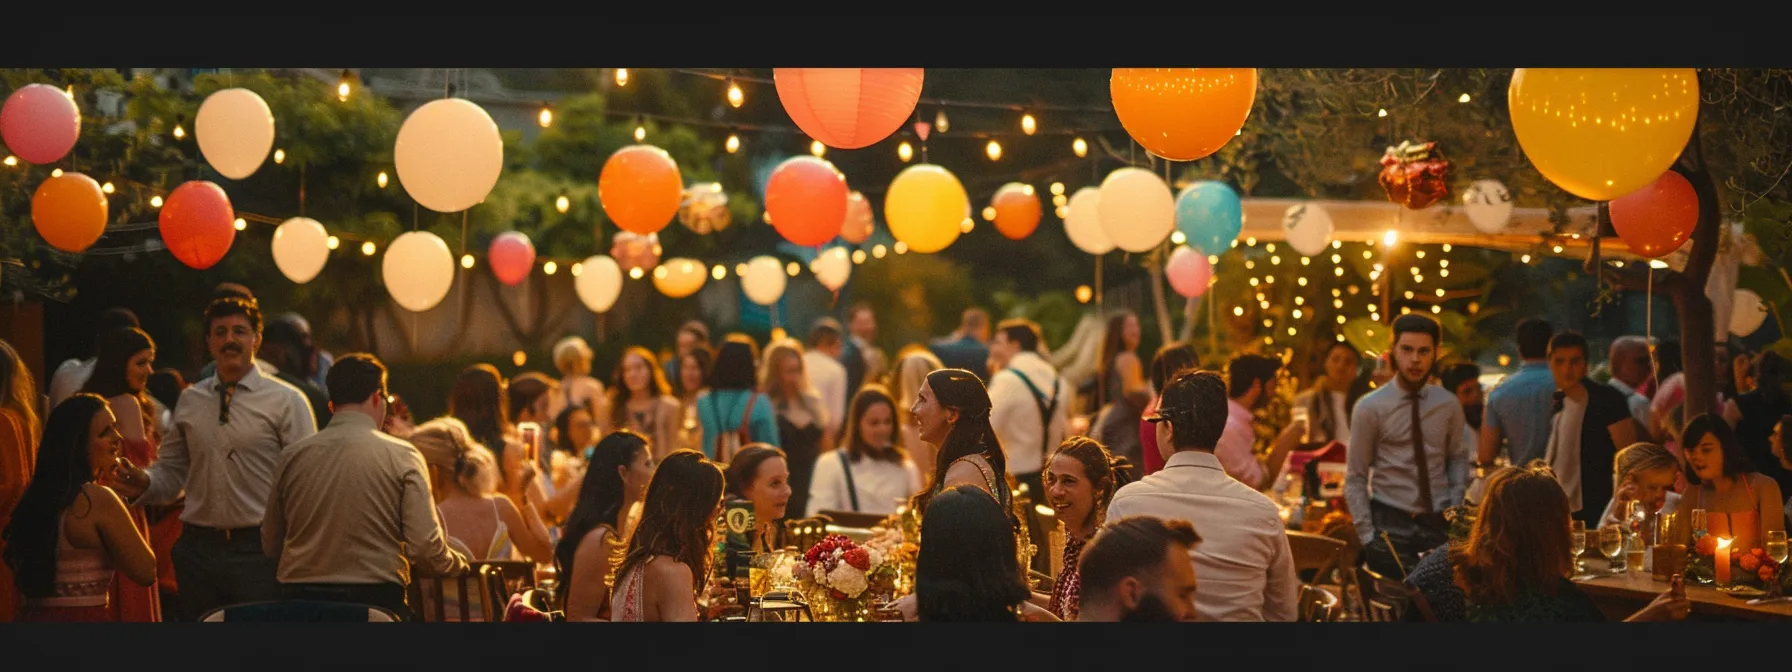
column 1740, row 591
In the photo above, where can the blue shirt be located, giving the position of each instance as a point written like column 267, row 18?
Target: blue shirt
column 1521, row 407
column 721, row 410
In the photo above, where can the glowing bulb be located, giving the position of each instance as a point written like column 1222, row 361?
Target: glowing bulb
column 622, row 76
column 1505, row 360
column 107, row 187
column 279, row 156
column 658, row 273
column 1306, row 261
column 1297, row 313
column 466, row 261
column 1653, row 263
column 1338, row 303
column 640, row 133
column 342, row 87
column 1028, row 124
column 1474, row 307
column 1437, row 310
column 1269, row 324
column 11, row 161
column 382, row 179
column 368, row 248
column 1447, row 247
column 1238, row 311
column 858, row 256
column 1060, row 200
column 989, row 213
column 1443, row 263
column 1254, row 282
column 735, row 95
column 56, row 173
column 576, row 269
column 905, row 151
column 1440, row 292
column 1275, row 260
column 1418, row 279
column 1462, row 98
column 879, row 251
column 1292, row 331
column 818, row 149
column 733, row 143
column 1340, row 321
column 1057, row 188
column 940, row 122
column 1337, row 244
column 546, row 116
column 1405, row 310
column 562, row 203
column 1558, row 249
column 1250, row 242
column 155, row 201
column 1409, row 295
column 1527, row 259
column 740, row 270
column 718, row 272
column 333, row 242
column 1269, row 247
column 636, row 273
column 1302, row 281
column 966, row 226
column 550, row 267
column 179, row 132
column 1213, row 259
column 1084, row 294
column 1250, row 264
column 1420, row 254
column 994, row 150
column 1339, row 271
column 1390, row 238
column 1178, row 238
column 792, row 268
column 1443, row 273
column 1381, row 112
column 1062, row 212
column 1080, row 146
column 240, row 224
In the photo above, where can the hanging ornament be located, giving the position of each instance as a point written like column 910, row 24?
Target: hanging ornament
column 633, row 250
column 1488, row 205
column 1413, row 174
column 704, row 208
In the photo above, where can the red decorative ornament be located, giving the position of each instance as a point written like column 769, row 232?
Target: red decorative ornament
column 1413, row 175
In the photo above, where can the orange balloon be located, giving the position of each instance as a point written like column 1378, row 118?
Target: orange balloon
column 1017, row 210
column 198, row 224
column 640, row 188
column 1657, row 219
column 69, row 212
column 806, row 200
column 1183, row 114
column 859, row 223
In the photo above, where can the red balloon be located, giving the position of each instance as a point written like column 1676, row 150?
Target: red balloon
column 512, row 256
column 1656, row 220
column 198, row 224
column 1017, row 210
column 806, row 200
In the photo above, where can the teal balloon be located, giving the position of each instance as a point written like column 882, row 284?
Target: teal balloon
column 1210, row 215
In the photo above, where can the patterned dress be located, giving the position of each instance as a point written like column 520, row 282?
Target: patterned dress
column 1067, row 590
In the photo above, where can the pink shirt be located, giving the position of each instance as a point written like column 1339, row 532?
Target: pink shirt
column 1154, row 459
column 1234, row 449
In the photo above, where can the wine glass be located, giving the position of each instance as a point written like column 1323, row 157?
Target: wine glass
column 1611, row 544
column 1776, row 549
column 1577, row 531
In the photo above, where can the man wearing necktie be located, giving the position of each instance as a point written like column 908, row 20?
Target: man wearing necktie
column 1408, row 458
column 221, row 449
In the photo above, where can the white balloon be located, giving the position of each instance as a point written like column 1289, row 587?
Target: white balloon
column 765, row 280
column 1083, row 224
column 1308, row 227
column 1747, row 313
column 301, row 246
column 1137, row 210
column 419, row 270
column 679, row 278
column 1488, row 205
column 449, row 155
column 235, row 130
column 832, row 267
column 599, row 283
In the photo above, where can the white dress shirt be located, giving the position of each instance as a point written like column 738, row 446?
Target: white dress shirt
column 1381, row 463
column 1564, row 448
column 69, row 378
column 1243, row 563
column 1014, row 411
column 227, row 470
column 828, row 376
column 880, row 484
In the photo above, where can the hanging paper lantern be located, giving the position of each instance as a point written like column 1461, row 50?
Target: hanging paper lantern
column 1601, row 133
column 704, row 208
column 1308, row 228
column 599, row 283
column 633, row 250
column 832, row 268
column 449, row 155
column 1488, row 205
column 1209, row 215
column 69, row 212
column 1017, row 210
column 418, row 270
column 848, row 108
column 1183, row 114
column 680, row 277
column 1414, row 175
column 1659, row 218
column 640, row 188
column 859, row 223
column 1747, row 313
column 40, row 123
column 1136, row 209
column 806, row 199
column 301, row 248
column 198, row 224
column 1189, row 272
column 764, row 281
column 1083, row 226
column 925, row 206
column 235, row 130
column 512, row 257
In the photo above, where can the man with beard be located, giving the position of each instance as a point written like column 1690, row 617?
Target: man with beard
column 1137, row 569
column 227, row 434
column 1251, row 386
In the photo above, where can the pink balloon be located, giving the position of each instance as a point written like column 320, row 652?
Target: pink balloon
column 1189, row 272
column 922, row 128
column 512, row 257
column 40, row 123
column 859, row 224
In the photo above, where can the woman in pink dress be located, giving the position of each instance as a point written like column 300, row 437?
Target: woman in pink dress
column 121, row 374
column 667, row 563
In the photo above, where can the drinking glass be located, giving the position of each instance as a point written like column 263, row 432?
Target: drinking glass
column 1698, row 522
column 1776, row 546
column 1577, row 531
column 1611, row 544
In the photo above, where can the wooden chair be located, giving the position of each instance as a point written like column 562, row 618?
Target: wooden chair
column 806, row 532
column 516, row 576
column 1318, row 606
column 484, row 585
column 296, row 611
column 1386, row 600
column 1316, row 553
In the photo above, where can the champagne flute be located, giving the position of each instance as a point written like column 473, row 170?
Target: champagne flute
column 1611, row 544
column 1776, row 546
column 1577, row 531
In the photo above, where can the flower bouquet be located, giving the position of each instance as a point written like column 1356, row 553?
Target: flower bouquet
column 840, row 578
column 1701, row 558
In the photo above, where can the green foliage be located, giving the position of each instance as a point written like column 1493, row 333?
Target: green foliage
column 919, row 298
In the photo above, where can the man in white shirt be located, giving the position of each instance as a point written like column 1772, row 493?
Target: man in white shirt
column 826, row 374
column 222, row 448
column 1029, row 402
column 1246, row 569
column 1251, row 377
column 72, row 375
column 1630, row 365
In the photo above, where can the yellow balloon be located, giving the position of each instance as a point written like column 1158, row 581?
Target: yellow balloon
column 1602, row 133
column 925, row 206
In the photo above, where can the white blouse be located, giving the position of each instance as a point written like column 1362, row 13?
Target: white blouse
column 880, row 484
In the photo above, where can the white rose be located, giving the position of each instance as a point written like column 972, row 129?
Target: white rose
column 847, row 580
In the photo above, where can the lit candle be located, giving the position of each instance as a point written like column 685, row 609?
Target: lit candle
column 1723, row 562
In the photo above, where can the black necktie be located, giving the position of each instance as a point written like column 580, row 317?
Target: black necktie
column 225, row 390
column 1418, row 451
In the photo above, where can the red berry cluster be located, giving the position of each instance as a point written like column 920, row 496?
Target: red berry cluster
column 828, row 545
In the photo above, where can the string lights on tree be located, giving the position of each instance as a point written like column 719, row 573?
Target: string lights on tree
column 622, row 77
column 736, row 97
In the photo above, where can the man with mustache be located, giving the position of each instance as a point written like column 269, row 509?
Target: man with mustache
column 226, row 437
column 1137, row 569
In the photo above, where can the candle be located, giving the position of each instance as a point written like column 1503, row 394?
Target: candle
column 1723, row 562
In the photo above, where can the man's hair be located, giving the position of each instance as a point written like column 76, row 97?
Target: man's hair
column 1533, row 335
column 230, row 305
column 697, row 328
column 231, row 289
column 355, row 377
column 1246, row 369
column 1418, row 324
column 1022, row 332
column 858, row 308
column 1454, row 375
column 1568, row 339
column 1131, row 546
column 974, row 318
column 824, row 334
column 113, row 319
column 1196, row 404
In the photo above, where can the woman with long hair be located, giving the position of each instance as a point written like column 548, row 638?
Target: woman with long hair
column 913, row 363
column 121, row 372
column 967, row 569
column 1739, row 502
column 1334, row 393
column 1164, row 367
column 693, row 381
column 71, row 535
column 802, row 418
column 1755, row 412
column 760, row 474
column 615, row 483
column 485, row 523
column 1123, row 389
column 1642, row 472
column 667, row 563
column 1080, row 480
column 952, row 413
column 733, row 412
column 642, row 402
column 19, row 431
column 479, row 400
column 870, row 472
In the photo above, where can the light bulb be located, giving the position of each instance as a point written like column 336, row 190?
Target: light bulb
column 333, row 242
column 640, row 133
column 1462, row 98
column 879, row 251
column 1250, row 242
column 636, row 273
column 1437, row 310
column 740, row 270
column 1060, row 200
column 1306, row 261
column 107, row 187
column 240, row 224
column 1381, row 112
column 1028, row 124
column 562, row 203
column 1275, row 260
column 1390, row 238
column 1339, row 271
column 1558, row 249
column 155, row 201
column 1178, row 238
column 1084, row 294
column 1238, row 311
column 1420, row 254
column 368, row 248
column 1302, row 281
column 966, row 226
column 179, row 132
column 1336, row 244
column 1527, row 259
column 56, row 173
column 11, row 161
column 1213, row 259
column 382, row 179
column 1080, row 146
column 1061, row 211
column 1653, row 263
column 939, row 121
column 994, row 150
column 905, row 152
column 989, row 213
column 792, row 269
column 733, row 143
column 622, row 76
column 735, row 95
column 576, row 269
column 858, row 256
column 1340, row 321
column 1443, row 273
column 1057, row 188
column 466, row 261
column 818, row 149
column 1269, row 247
column 546, row 116
column 718, row 272
column 279, row 156
column 550, row 267
column 342, row 91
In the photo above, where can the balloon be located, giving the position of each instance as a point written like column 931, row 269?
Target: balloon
column 197, row 224
column 1308, row 228
column 418, row 270
column 1017, row 210
column 301, row 248
column 832, row 268
column 1189, row 271
column 848, row 108
column 704, row 208
column 679, row 278
column 235, row 130
column 69, row 212
column 859, row 224
column 40, row 123
column 1183, row 114
column 449, row 155
column 640, row 188
column 806, row 200
column 1488, row 205
column 1210, row 215
column 512, row 257
column 599, row 283
column 1601, row 133
column 1084, row 223
column 633, row 250
column 764, row 280
column 925, row 206
column 1658, row 218
column 1137, row 211
column 1747, row 313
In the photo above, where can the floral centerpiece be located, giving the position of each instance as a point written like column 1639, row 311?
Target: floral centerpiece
column 840, row 578
column 1751, row 568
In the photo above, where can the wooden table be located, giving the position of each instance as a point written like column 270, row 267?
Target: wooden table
column 1621, row 595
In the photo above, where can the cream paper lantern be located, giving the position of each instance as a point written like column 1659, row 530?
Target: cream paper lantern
column 1308, row 227
column 419, row 270
column 235, row 130
column 599, row 283
column 1747, row 313
column 1084, row 223
column 832, row 268
column 1488, row 205
column 449, row 155
column 301, row 247
column 1137, row 210
column 765, row 280
column 681, row 277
